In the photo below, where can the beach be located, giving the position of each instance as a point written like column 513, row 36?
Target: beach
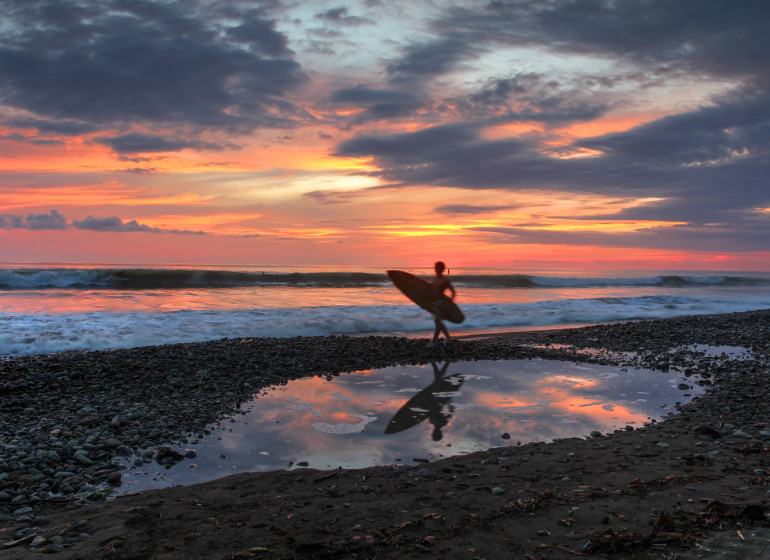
column 668, row 488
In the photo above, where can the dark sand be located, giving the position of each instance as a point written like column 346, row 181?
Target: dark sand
column 673, row 489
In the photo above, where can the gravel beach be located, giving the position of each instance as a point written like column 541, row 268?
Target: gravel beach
column 692, row 486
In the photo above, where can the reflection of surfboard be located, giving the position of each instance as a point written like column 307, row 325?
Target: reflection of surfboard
column 424, row 403
column 421, row 292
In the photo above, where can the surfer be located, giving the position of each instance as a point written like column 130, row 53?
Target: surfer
column 440, row 284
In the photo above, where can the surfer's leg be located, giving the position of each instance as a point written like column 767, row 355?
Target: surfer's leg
column 445, row 331
column 440, row 328
column 437, row 331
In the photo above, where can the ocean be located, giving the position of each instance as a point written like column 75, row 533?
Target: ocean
column 52, row 308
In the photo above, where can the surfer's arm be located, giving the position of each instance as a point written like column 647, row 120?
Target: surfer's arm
column 451, row 289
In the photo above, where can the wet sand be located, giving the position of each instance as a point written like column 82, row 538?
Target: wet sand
column 694, row 484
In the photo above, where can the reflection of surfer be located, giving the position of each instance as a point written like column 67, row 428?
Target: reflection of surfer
column 434, row 403
column 440, row 284
column 436, row 414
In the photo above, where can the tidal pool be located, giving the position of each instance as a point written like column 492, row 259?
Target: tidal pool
column 405, row 413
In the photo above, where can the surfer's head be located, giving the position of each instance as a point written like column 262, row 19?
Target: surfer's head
column 440, row 267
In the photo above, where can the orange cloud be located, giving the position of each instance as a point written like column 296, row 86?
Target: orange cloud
column 607, row 125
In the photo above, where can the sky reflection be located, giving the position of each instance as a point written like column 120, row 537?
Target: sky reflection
column 402, row 413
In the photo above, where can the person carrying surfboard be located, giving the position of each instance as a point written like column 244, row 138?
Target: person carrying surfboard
column 440, row 284
column 430, row 296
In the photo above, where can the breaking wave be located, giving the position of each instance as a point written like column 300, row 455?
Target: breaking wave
column 157, row 279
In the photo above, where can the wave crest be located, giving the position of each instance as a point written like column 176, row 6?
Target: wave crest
column 151, row 279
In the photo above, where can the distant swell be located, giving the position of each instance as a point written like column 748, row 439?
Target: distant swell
column 149, row 279
column 152, row 279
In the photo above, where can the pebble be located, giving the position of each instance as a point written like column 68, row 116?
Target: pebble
column 497, row 491
column 742, row 434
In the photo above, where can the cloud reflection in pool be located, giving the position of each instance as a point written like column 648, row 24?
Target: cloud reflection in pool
column 400, row 413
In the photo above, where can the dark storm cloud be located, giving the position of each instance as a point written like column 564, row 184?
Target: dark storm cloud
column 543, row 99
column 704, row 163
column 653, row 41
column 23, row 139
column 340, row 16
column 707, row 35
column 366, row 95
column 499, row 91
column 713, row 133
column 659, row 39
column 146, row 143
column 433, row 58
column 66, row 128
column 112, row 224
column 452, row 155
column 179, row 63
column 115, row 224
column 52, row 220
column 708, row 238
column 378, row 103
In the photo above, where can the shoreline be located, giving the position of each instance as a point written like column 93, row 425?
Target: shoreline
column 481, row 501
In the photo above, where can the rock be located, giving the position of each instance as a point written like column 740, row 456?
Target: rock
column 82, row 459
column 23, row 511
column 706, row 430
column 167, row 456
column 64, row 474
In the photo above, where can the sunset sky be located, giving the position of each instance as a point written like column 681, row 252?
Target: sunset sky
column 615, row 134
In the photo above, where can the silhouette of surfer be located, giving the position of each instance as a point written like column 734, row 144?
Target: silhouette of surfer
column 440, row 284
column 434, row 402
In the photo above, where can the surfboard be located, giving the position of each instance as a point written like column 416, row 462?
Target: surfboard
column 421, row 293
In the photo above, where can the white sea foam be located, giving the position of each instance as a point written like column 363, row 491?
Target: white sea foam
column 96, row 330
